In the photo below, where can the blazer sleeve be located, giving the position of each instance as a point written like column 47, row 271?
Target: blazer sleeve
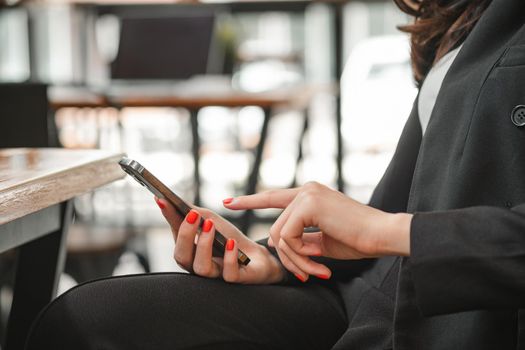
column 467, row 259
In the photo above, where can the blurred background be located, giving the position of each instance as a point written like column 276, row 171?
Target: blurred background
column 335, row 76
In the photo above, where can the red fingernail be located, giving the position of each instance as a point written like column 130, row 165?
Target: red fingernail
column 192, row 217
column 227, row 201
column 324, row 277
column 160, row 204
column 230, row 244
column 300, row 278
column 208, row 224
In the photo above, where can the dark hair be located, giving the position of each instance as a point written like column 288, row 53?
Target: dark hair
column 439, row 27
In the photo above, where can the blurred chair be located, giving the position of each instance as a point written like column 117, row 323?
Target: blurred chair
column 166, row 48
column 24, row 122
column 25, row 119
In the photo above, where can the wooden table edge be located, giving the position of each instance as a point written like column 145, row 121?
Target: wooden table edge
column 23, row 196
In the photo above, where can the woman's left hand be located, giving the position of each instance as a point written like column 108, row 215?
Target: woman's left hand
column 347, row 228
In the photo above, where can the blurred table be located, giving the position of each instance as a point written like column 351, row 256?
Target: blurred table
column 194, row 95
column 133, row 7
column 191, row 94
column 36, row 188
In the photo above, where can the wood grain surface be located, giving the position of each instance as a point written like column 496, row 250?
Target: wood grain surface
column 33, row 179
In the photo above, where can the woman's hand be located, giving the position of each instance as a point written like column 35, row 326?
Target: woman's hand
column 348, row 229
column 193, row 250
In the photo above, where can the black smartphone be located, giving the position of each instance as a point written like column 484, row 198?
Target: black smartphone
column 155, row 186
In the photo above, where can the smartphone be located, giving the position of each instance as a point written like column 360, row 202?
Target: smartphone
column 155, row 186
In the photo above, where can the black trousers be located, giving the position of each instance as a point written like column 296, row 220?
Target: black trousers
column 179, row 311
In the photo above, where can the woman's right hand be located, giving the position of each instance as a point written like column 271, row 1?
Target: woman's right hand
column 193, row 251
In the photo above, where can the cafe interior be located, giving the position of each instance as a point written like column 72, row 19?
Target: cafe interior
column 216, row 98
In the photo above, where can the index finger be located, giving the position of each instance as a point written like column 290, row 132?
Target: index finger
column 268, row 199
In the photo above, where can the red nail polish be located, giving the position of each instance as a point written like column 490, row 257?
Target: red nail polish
column 300, row 278
column 160, row 204
column 227, row 201
column 208, row 224
column 192, row 217
column 230, row 243
column 324, row 277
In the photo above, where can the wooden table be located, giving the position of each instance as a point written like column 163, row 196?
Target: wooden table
column 36, row 188
column 194, row 95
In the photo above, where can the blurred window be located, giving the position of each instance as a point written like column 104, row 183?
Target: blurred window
column 377, row 94
column 14, row 51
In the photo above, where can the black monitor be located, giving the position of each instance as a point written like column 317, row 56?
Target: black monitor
column 165, row 48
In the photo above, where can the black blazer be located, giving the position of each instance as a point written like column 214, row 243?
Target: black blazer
column 464, row 284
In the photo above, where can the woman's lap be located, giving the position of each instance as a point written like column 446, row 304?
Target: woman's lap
column 179, row 311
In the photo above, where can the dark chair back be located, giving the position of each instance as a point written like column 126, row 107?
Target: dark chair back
column 24, row 116
column 164, row 47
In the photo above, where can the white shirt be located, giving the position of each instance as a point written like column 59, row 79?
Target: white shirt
column 431, row 86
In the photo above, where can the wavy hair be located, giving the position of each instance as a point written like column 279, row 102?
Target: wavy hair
column 439, row 27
